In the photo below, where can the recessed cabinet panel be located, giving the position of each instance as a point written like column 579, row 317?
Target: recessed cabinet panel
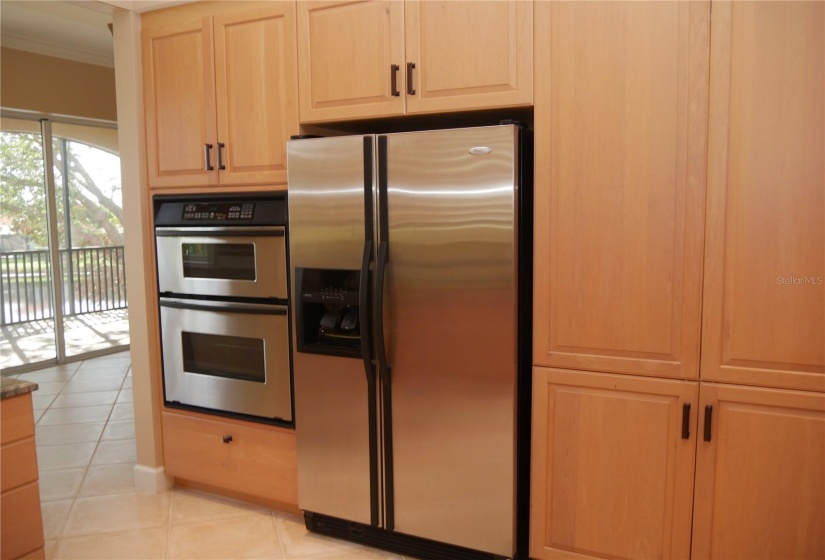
column 764, row 306
column 620, row 183
column 612, row 473
column 469, row 54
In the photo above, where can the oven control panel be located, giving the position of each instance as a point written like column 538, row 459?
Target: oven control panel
column 218, row 211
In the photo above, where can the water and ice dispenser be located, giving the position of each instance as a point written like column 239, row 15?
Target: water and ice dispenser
column 328, row 312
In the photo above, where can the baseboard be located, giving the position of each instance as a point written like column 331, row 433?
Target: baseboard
column 152, row 479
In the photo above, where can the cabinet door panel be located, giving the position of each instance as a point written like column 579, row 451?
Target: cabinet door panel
column 760, row 480
column 469, row 54
column 346, row 50
column 611, row 475
column 255, row 61
column 179, row 96
column 621, row 112
column 764, row 308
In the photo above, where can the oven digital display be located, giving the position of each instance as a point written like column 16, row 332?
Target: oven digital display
column 219, row 211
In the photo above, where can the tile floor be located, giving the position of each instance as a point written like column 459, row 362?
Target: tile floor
column 91, row 509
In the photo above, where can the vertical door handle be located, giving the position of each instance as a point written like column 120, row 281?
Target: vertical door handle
column 221, row 146
column 206, row 149
column 686, row 421
column 410, row 68
column 394, row 78
column 708, row 418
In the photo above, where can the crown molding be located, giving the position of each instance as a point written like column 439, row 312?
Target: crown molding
column 57, row 51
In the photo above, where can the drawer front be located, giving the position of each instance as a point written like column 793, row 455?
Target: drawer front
column 18, row 464
column 256, row 461
column 16, row 418
column 22, row 532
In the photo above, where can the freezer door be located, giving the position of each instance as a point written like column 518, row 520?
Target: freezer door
column 450, row 317
column 330, row 185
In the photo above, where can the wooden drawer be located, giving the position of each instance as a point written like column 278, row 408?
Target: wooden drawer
column 22, row 529
column 16, row 418
column 260, row 461
column 18, row 464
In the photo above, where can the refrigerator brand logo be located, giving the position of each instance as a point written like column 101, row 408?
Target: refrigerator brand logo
column 480, row 151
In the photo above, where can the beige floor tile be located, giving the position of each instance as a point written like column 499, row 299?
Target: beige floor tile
column 85, row 399
column 50, row 388
column 38, row 415
column 54, row 517
column 121, row 412
column 60, row 484
column 91, row 386
column 92, row 374
column 42, row 401
column 360, row 553
column 52, row 374
column 48, row 548
column 119, row 430
column 112, row 452
column 108, row 479
column 121, row 512
column 69, row 433
column 297, row 542
column 197, row 507
column 76, row 415
column 125, row 396
column 107, row 362
column 143, row 544
column 246, row 537
column 68, row 456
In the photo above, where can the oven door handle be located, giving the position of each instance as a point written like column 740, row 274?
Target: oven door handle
column 227, row 306
column 223, row 231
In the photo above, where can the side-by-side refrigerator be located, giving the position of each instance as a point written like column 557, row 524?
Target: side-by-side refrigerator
column 411, row 281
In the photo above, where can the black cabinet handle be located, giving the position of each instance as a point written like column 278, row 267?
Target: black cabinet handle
column 410, row 88
column 708, row 418
column 206, row 148
column 686, row 421
column 221, row 146
column 394, row 77
column 227, row 439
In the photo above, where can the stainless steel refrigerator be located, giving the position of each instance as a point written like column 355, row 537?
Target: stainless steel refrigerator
column 410, row 259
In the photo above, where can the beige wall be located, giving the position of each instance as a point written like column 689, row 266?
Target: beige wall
column 53, row 85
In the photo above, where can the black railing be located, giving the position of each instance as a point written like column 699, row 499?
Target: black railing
column 94, row 279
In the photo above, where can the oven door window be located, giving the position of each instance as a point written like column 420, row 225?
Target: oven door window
column 223, row 261
column 232, row 357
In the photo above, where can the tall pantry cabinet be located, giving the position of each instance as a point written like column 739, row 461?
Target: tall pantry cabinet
column 679, row 315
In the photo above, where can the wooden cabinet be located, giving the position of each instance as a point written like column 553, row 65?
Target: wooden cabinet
column 760, row 480
column 356, row 57
column 220, row 92
column 621, row 112
column 256, row 461
column 612, row 470
column 764, row 304
column 22, row 527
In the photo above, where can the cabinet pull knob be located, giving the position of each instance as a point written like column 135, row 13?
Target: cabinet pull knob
column 206, row 148
column 394, row 78
column 410, row 88
column 221, row 146
column 708, row 418
column 686, row 421
column 227, row 439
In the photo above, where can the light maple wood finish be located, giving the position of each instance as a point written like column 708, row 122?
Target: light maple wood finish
column 259, row 460
column 621, row 111
column 469, row 55
column 22, row 529
column 345, row 52
column 611, row 475
column 257, row 93
column 760, row 480
column 179, row 100
column 16, row 418
column 18, row 463
column 766, row 197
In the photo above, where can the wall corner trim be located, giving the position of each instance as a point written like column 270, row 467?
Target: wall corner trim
column 152, row 479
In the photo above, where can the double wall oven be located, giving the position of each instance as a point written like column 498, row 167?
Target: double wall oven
column 224, row 304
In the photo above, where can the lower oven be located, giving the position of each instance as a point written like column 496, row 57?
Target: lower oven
column 224, row 304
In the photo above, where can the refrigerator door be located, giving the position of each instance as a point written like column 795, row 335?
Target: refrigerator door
column 330, row 184
column 450, row 331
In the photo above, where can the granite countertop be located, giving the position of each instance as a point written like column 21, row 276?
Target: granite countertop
column 10, row 387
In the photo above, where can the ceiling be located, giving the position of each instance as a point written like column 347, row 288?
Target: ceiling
column 75, row 30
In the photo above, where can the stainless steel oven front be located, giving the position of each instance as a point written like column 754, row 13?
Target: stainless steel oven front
column 224, row 304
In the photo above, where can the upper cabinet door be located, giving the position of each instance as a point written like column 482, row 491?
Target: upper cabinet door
column 620, row 119
column 764, row 307
column 179, row 97
column 255, row 62
column 347, row 52
column 469, row 55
